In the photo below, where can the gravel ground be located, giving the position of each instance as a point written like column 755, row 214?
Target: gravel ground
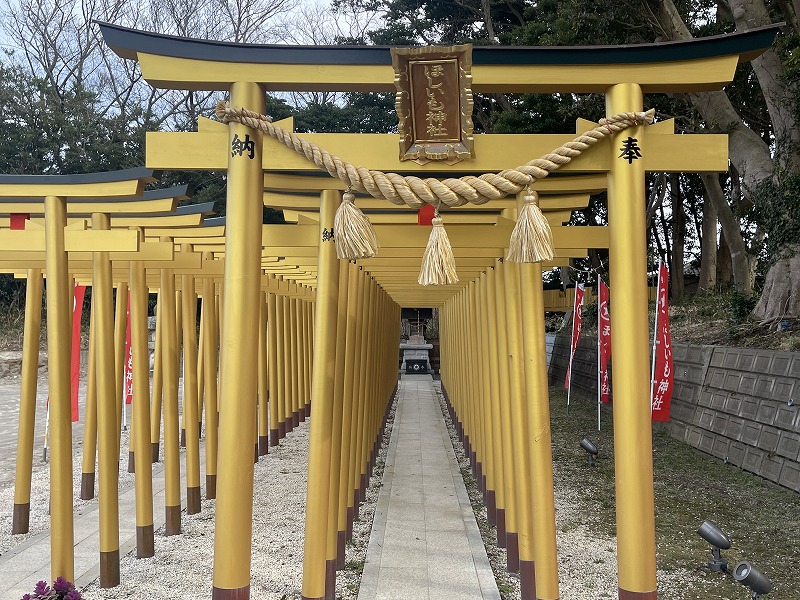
column 183, row 566
column 587, row 561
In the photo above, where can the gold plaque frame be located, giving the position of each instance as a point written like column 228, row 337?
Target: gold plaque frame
column 435, row 120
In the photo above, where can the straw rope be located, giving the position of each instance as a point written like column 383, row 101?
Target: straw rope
column 416, row 192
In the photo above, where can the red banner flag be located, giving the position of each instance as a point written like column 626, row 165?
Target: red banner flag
column 75, row 369
column 603, row 339
column 577, row 321
column 661, row 382
column 128, row 370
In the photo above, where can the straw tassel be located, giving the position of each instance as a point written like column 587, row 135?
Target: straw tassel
column 438, row 262
column 354, row 235
column 531, row 241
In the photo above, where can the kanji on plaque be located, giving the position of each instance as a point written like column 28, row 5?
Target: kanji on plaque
column 661, row 395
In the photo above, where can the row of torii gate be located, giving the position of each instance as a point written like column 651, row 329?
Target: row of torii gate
column 287, row 326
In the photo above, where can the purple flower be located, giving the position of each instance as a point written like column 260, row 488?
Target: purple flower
column 73, row 594
column 27, row 597
column 62, row 585
column 41, row 588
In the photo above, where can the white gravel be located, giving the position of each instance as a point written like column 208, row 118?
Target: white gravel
column 182, row 567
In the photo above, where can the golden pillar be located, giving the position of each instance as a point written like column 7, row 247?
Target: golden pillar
column 191, row 417
column 158, row 385
column 141, row 412
column 90, row 416
column 336, row 434
column 27, row 402
column 239, row 347
column 633, row 445
column 348, row 416
column 272, row 368
column 263, row 379
column 211, row 344
column 59, row 316
column 286, row 355
column 170, row 355
column 108, row 424
column 497, row 501
column 507, row 526
column 540, row 445
column 357, row 412
column 322, row 382
column 120, row 328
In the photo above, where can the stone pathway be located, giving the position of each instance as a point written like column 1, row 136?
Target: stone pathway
column 425, row 542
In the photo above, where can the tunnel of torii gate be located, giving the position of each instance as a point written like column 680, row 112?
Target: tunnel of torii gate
column 329, row 327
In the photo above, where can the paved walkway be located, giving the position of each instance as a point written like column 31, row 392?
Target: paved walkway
column 425, row 542
column 27, row 563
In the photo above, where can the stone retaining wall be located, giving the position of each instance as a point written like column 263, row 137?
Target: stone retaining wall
column 739, row 405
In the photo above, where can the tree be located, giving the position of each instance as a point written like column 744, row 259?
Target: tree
column 768, row 179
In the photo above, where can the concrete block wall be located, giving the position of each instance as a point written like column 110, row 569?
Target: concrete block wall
column 742, row 406
column 739, row 405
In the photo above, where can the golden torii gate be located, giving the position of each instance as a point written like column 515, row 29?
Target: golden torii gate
column 60, row 192
column 623, row 74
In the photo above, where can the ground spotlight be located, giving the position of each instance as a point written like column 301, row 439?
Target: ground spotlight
column 748, row 575
column 719, row 541
column 591, row 450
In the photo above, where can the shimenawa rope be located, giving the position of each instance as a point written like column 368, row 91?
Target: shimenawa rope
column 531, row 231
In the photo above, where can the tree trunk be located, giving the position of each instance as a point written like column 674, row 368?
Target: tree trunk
column 708, row 249
column 678, row 237
column 780, row 297
column 741, row 268
column 724, row 268
column 748, row 153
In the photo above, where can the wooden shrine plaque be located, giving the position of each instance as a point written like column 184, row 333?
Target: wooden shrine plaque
column 434, row 102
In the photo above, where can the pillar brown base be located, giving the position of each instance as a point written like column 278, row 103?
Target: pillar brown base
column 263, row 445
column 145, row 544
column 192, row 500
column 242, row 593
column 362, row 490
column 308, row 409
column 154, row 457
column 350, row 515
column 87, row 486
column 273, row 437
column 109, row 569
column 20, row 521
column 173, row 520
column 131, row 463
column 341, row 542
column 282, row 430
column 183, row 438
column 295, row 419
column 501, row 527
column 512, row 552
column 527, row 580
column 211, row 487
column 303, row 414
column 626, row 595
column 491, row 507
column 355, row 511
column 330, row 580
column 255, row 453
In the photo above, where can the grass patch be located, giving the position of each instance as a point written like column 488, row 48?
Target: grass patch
column 761, row 519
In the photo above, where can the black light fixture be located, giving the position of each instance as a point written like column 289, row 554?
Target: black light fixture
column 591, row 451
column 748, row 575
column 719, row 541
